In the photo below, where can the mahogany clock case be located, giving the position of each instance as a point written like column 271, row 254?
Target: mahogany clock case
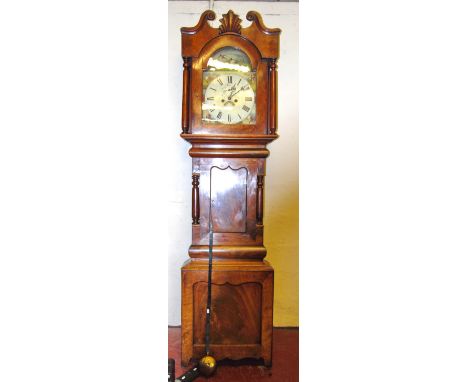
column 228, row 170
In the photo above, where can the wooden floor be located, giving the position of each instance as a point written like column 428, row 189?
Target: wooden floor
column 285, row 361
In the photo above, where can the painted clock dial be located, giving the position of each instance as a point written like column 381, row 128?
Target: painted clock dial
column 229, row 99
column 229, row 89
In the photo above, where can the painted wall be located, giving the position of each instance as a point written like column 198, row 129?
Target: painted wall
column 282, row 176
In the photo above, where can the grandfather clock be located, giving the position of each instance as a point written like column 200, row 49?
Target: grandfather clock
column 229, row 115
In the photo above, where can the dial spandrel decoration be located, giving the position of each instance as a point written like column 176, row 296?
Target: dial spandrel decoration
column 229, row 89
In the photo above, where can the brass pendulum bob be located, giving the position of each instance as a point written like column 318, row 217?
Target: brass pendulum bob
column 207, row 365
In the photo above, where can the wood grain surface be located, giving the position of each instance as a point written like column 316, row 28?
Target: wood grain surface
column 229, row 167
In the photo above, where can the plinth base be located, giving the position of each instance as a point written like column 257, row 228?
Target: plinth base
column 241, row 312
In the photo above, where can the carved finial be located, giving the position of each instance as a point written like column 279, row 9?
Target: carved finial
column 230, row 23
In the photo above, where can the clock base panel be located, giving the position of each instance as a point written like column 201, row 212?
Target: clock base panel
column 242, row 309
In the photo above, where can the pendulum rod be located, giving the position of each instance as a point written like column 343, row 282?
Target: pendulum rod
column 207, row 364
column 208, row 302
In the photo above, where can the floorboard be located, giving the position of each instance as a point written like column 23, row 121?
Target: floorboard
column 285, row 366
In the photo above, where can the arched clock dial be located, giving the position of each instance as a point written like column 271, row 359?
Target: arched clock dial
column 229, row 88
column 229, row 99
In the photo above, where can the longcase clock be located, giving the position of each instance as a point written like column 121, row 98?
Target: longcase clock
column 229, row 115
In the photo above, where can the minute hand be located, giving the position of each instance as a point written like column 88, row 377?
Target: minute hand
column 233, row 94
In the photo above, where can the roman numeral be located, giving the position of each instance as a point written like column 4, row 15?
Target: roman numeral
column 240, row 118
column 212, row 89
column 229, row 117
column 210, row 98
column 229, row 79
column 248, row 98
column 212, row 110
column 220, row 82
column 219, row 115
column 246, row 108
column 240, row 79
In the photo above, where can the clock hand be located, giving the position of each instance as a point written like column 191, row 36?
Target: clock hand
column 231, row 89
column 233, row 94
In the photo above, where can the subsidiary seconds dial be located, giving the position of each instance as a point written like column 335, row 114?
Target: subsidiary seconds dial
column 229, row 99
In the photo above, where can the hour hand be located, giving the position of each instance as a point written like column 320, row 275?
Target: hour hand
column 231, row 89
